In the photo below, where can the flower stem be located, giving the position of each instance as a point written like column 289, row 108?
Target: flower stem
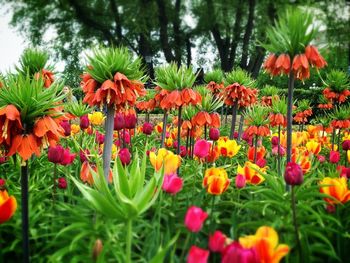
column 107, row 146
column 255, row 148
column 278, row 151
column 128, row 240
column 233, row 123
column 290, row 117
column 25, row 211
column 240, row 127
column 185, row 246
column 295, row 224
column 165, row 116
column 179, row 131
column 54, row 182
column 212, row 219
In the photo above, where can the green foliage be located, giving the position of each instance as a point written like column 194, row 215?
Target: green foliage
column 32, row 61
column 292, row 33
column 337, row 81
column 77, row 109
column 210, row 103
column 279, row 106
column 340, row 113
column 257, row 115
column 216, row 75
column 105, row 62
column 29, row 96
column 189, row 112
column 269, row 91
column 303, row 105
column 172, row 77
column 241, row 77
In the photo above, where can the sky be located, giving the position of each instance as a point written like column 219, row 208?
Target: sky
column 11, row 43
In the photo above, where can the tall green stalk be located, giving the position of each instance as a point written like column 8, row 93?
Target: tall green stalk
column 128, row 240
column 233, row 123
column 25, row 211
column 165, row 117
column 290, row 114
column 107, row 146
column 295, row 224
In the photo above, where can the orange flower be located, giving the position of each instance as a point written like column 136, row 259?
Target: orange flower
column 201, row 118
column 48, row 131
column 269, row 64
column 340, row 124
column 252, row 173
column 216, row 180
column 313, row 147
column 8, row 206
column 278, row 119
column 215, row 120
column 337, row 188
column 314, row 57
column 260, row 153
column 164, row 157
column 47, row 77
column 215, row 88
column 228, row 148
column 214, row 154
column 10, row 123
column 89, row 86
column 301, row 157
column 301, row 67
column 86, row 173
column 25, row 145
column 265, row 241
column 282, row 63
column 260, row 131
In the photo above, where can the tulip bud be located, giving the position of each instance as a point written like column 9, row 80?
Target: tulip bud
column 214, row 134
column 3, row 159
column 130, row 121
column 183, row 151
column 62, row 183
column 346, row 145
column 172, row 184
column 119, row 122
column 66, row 127
column 195, row 218
column 334, row 157
column 83, row 155
column 240, row 181
column 97, row 249
column 197, row 255
column 2, row 182
column 124, row 156
column 100, row 138
column 274, row 140
column 330, row 209
column 261, row 163
column 217, row 241
column 321, row 158
column 55, row 154
column 84, row 122
column 147, row 128
column 293, row 174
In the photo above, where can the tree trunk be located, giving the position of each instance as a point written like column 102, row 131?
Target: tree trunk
column 177, row 33
column 248, row 33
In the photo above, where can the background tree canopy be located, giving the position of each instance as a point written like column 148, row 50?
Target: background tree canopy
column 170, row 30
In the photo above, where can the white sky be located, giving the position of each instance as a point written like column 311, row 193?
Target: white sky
column 11, row 43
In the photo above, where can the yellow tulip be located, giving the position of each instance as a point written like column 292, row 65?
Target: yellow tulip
column 265, row 241
column 337, row 188
column 313, row 147
column 75, row 128
column 96, row 118
column 164, row 157
column 252, row 173
column 228, row 148
column 216, row 180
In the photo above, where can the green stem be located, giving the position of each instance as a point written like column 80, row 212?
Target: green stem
column 128, row 240
column 54, row 183
column 212, row 219
column 233, row 122
column 107, row 146
column 295, row 224
column 185, row 246
column 278, row 151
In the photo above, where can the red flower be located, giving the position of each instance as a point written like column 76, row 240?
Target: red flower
column 172, row 184
column 10, row 123
column 201, row 148
column 197, row 255
column 68, row 157
column 124, row 156
column 314, row 57
column 195, row 218
column 55, row 154
column 301, row 67
column 217, row 241
column 282, row 63
column 334, row 157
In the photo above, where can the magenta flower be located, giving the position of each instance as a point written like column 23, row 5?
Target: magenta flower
column 130, row 121
column 100, row 137
column 197, row 255
column 214, row 134
column 172, row 184
column 293, row 174
column 195, row 218
column 83, row 155
column 236, row 253
column 201, row 148
column 68, row 157
column 119, row 122
column 346, row 145
column 217, row 241
column 124, row 156
column 240, row 181
column 321, row 158
column 84, row 122
column 334, row 157
column 66, row 127
column 147, row 128
column 2, row 182
column 62, row 183
column 55, row 154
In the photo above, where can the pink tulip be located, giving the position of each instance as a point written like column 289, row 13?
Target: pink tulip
column 334, row 157
column 68, row 157
column 217, row 241
column 274, row 141
column 66, row 127
column 84, row 122
column 214, row 134
column 275, row 150
column 201, row 148
column 55, row 154
column 124, row 156
column 62, row 183
column 197, row 255
column 236, row 253
column 183, row 151
column 130, row 121
column 240, row 181
column 195, row 218
column 293, row 174
column 83, row 155
column 172, row 184
column 261, row 162
column 321, row 158
column 99, row 137
column 119, row 122
column 147, row 128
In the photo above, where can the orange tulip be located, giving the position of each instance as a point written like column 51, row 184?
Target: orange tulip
column 216, row 180
column 336, row 188
column 8, row 206
column 86, row 173
column 10, row 123
column 228, row 148
column 252, row 172
column 260, row 153
column 265, row 241
column 313, row 147
column 164, row 157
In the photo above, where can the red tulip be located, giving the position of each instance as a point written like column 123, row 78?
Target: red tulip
column 130, row 121
column 119, row 122
column 66, row 127
column 236, row 253
column 293, row 174
column 124, row 156
column 274, row 140
column 83, row 155
column 201, row 148
column 261, row 163
column 183, row 151
column 346, row 145
column 197, row 255
column 84, row 122
column 147, row 128
column 100, row 137
column 321, row 158
column 334, row 157
column 2, row 182
column 195, row 218
column 217, row 241
column 214, row 134
column 172, row 184
column 55, row 154
column 62, row 183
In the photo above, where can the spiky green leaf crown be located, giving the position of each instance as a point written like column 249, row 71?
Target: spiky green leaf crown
column 210, row 103
column 77, row 108
column 257, row 115
column 279, row 105
column 30, row 98
column 337, row 81
column 216, row 75
column 241, row 77
column 323, row 121
column 269, row 91
column 104, row 63
column 172, row 77
column 340, row 113
column 189, row 112
column 293, row 31
column 32, row 61
column 303, row 105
